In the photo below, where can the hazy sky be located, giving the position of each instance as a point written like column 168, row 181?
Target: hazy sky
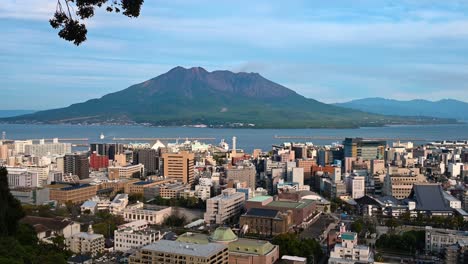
column 328, row 50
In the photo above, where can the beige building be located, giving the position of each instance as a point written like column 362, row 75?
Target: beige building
column 399, row 181
column 438, row 239
column 165, row 251
column 153, row 217
column 74, row 193
column 179, row 166
column 224, row 207
column 126, row 172
column 241, row 250
column 86, row 243
column 139, row 187
column 242, row 174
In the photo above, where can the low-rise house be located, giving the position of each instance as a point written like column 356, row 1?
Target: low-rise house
column 47, row 228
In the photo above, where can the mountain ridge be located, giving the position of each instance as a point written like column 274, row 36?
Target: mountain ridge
column 189, row 96
column 443, row 108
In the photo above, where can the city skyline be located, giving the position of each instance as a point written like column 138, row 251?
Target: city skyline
column 329, row 51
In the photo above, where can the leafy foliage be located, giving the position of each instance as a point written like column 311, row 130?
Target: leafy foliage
column 408, row 242
column 175, row 221
column 18, row 242
column 10, row 208
column 73, row 28
column 107, row 224
column 190, row 202
column 291, row 244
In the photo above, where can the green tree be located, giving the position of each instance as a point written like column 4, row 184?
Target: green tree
column 357, row 226
column 10, row 208
column 291, row 244
column 70, row 15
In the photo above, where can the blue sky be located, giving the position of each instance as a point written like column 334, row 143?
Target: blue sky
column 328, row 50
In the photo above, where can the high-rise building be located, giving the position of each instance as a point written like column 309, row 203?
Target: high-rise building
column 358, row 187
column 179, row 166
column 243, row 174
column 224, row 207
column 367, row 149
column 20, row 145
column 76, row 164
column 107, row 149
column 149, row 158
column 307, row 165
column 97, row 161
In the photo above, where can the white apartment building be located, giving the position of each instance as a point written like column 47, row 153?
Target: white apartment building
column 349, row 252
column 21, row 177
column 86, row 242
column 117, row 206
column 437, row 239
column 154, row 217
column 358, row 187
column 20, row 145
column 47, row 149
column 126, row 239
column 202, row 192
column 224, row 206
column 42, row 173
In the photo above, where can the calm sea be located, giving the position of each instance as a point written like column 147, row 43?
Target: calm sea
column 247, row 139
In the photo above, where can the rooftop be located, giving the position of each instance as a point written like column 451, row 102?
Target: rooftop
column 42, row 224
column 143, row 183
column 75, row 187
column 260, row 212
column 251, row 246
column 183, row 248
column 223, row 234
column 348, row 236
column 260, row 198
column 292, row 205
column 429, row 197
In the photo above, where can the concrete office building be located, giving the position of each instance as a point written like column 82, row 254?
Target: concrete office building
column 42, row 174
column 165, row 251
column 149, row 158
column 241, row 174
column 179, row 166
column 224, row 207
column 357, row 187
column 438, row 239
column 399, row 181
column 367, row 149
column 127, row 238
column 76, row 164
column 21, row 177
column 20, row 146
column 153, row 217
column 86, row 242
column 74, row 193
column 34, row 196
column 126, row 172
column 107, row 149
